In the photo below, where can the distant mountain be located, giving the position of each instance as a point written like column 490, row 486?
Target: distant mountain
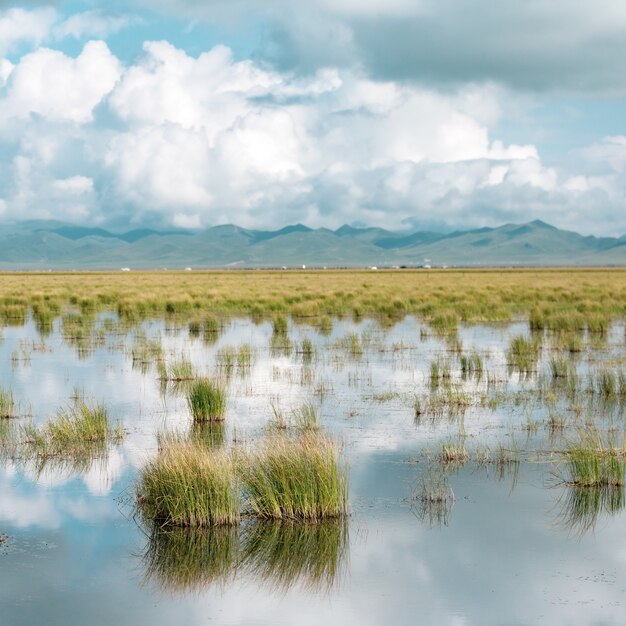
column 37, row 245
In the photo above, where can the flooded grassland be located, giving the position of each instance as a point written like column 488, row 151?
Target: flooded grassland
column 347, row 447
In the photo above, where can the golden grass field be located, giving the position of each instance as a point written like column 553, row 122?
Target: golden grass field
column 443, row 296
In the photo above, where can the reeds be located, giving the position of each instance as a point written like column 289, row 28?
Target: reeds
column 79, row 432
column 523, row 353
column 284, row 478
column 7, row 403
column 206, row 400
column 188, row 484
column 296, row 479
column 434, row 500
column 595, row 462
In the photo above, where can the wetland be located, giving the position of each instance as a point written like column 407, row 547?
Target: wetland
column 277, row 447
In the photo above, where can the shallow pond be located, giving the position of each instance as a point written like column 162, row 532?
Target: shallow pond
column 507, row 545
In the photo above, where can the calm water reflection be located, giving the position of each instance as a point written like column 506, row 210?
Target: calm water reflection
column 514, row 547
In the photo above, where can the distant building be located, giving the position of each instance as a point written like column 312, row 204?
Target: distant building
column 125, row 269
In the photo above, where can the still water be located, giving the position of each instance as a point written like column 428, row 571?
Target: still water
column 506, row 548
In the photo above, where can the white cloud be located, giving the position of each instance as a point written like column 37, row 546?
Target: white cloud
column 19, row 25
column 194, row 141
column 96, row 23
column 58, row 87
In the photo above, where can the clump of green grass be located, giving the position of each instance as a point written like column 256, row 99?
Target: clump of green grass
column 306, row 417
column 146, row 350
column 296, row 479
column 307, row 350
column 440, row 373
column 80, row 431
column 244, row 358
column 523, row 353
column 472, row 366
column 180, row 370
column 7, row 403
column 609, row 384
column 188, row 484
column 560, row 368
column 598, row 324
column 593, row 462
column 280, row 325
column 351, row 344
column 206, row 400
column 444, row 322
column 226, row 358
column 80, row 423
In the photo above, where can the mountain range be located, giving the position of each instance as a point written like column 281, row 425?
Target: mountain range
column 42, row 245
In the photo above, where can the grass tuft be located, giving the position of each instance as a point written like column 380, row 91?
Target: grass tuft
column 206, row 400
column 188, row 484
column 296, row 479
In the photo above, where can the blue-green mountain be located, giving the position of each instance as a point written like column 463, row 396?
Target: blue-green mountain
column 42, row 245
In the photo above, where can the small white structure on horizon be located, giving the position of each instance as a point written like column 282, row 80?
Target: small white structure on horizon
column 125, row 269
column 188, row 269
column 304, row 267
column 373, row 267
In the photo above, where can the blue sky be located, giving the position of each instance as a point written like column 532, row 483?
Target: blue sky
column 402, row 113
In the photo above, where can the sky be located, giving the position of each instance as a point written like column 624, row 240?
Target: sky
column 406, row 114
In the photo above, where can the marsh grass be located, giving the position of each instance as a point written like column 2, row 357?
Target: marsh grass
column 306, row 417
column 206, row 400
column 188, row 484
column 177, row 371
column 454, row 453
column 434, row 500
column 553, row 299
column 595, row 461
column 609, row 384
column 299, row 478
column 523, row 353
column 472, row 366
column 285, row 553
column 351, row 344
column 78, row 435
column 306, row 350
column 7, row 403
column 440, row 373
column 449, row 402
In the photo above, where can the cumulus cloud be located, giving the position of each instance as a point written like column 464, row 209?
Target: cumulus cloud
column 57, row 87
column 191, row 141
column 20, row 25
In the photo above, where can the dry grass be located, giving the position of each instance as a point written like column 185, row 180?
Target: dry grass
column 553, row 298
